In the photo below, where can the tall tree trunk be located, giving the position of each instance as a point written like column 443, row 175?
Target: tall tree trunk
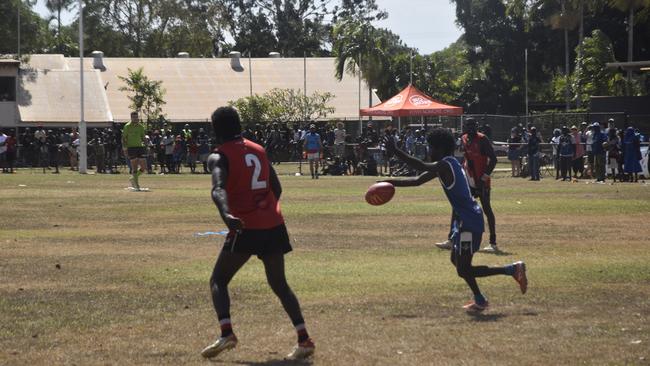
column 630, row 48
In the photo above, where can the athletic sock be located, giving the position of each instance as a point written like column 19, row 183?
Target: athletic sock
column 226, row 327
column 302, row 332
column 510, row 269
column 480, row 299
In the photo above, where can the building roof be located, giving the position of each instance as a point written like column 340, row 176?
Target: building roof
column 194, row 87
column 53, row 97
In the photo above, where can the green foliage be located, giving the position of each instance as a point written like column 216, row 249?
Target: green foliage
column 252, row 109
column 284, row 105
column 34, row 34
column 146, row 95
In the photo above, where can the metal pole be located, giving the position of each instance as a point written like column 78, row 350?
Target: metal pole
column 630, row 49
column 360, row 120
column 250, row 73
column 526, row 77
column 20, row 3
column 411, row 69
column 566, row 63
column 304, row 86
column 83, row 158
column 579, row 65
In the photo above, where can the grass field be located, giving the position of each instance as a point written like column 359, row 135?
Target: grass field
column 93, row 274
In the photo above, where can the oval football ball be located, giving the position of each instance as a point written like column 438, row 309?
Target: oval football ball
column 380, row 193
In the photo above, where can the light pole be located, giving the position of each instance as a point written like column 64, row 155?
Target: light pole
column 83, row 156
column 526, row 77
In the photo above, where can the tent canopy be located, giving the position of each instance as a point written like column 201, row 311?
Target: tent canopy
column 411, row 102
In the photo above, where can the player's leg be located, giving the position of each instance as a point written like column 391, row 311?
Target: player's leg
column 275, row 275
column 484, row 197
column 224, row 270
column 311, row 166
column 462, row 260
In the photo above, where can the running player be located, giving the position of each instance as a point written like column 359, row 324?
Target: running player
column 133, row 142
column 467, row 225
column 246, row 191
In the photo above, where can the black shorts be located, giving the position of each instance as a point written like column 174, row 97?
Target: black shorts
column 259, row 242
column 136, row 152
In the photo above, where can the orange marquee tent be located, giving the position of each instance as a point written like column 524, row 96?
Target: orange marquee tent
column 411, row 102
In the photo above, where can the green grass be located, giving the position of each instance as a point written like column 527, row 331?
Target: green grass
column 132, row 287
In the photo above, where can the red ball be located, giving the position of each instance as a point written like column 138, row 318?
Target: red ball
column 380, row 193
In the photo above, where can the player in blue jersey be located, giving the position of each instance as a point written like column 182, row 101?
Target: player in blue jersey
column 467, row 225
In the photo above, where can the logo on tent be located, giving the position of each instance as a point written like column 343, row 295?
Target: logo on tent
column 394, row 100
column 418, row 100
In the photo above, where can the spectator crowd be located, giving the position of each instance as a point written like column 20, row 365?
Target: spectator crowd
column 578, row 152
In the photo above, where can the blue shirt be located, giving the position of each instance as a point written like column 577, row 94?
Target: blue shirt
column 464, row 207
column 597, row 144
column 312, row 142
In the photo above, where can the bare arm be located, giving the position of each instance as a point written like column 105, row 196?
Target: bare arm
column 276, row 187
column 218, row 165
column 486, row 147
column 413, row 181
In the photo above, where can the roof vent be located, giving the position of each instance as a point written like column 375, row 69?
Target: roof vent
column 274, row 54
column 98, row 60
column 235, row 62
column 183, row 55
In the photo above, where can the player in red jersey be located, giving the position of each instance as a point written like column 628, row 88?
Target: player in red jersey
column 480, row 161
column 246, row 191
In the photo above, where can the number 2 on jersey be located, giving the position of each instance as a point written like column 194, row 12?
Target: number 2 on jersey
column 252, row 161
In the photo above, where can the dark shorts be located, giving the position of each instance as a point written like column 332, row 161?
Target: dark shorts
column 259, row 242
column 136, row 152
column 466, row 242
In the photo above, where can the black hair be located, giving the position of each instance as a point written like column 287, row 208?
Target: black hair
column 442, row 139
column 226, row 124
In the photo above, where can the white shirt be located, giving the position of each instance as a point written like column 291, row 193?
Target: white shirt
column 339, row 136
column 40, row 135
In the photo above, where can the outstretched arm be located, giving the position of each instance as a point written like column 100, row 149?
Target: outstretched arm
column 218, row 165
column 413, row 181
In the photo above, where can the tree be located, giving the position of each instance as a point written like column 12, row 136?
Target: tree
column 56, row 7
column 34, row 37
column 284, row 105
column 361, row 48
column 595, row 77
column 252, row 109
column 629, row 6
column 146, row 95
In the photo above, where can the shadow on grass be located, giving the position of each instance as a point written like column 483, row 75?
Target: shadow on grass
column 498, row 253
column 275, row 363
column 490, row 317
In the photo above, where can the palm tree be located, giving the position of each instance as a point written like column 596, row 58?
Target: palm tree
column 566, row 20
column 358, row 49
column 629, row 6
column 57, row 7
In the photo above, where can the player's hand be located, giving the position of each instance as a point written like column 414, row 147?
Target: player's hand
column 485, row 178
column 234, row 223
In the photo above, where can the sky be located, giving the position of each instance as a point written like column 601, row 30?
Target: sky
column 427, row 25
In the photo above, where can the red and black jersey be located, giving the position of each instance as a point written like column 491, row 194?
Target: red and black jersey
column 476, row 161
column 248, row 187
